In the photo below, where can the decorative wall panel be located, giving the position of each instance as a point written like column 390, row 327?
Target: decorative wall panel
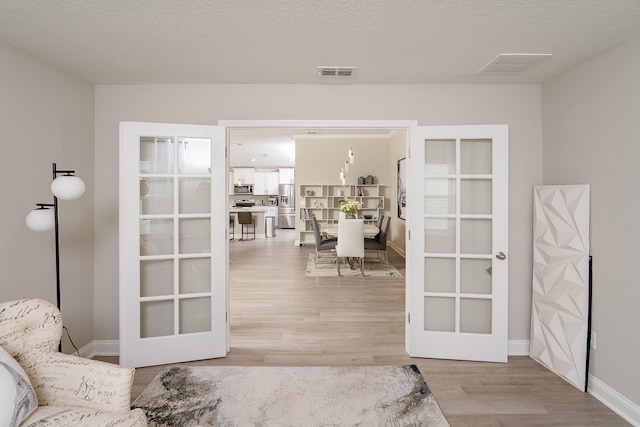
column 560, row 298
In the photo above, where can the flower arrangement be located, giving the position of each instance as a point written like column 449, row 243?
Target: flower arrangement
column 350, row 207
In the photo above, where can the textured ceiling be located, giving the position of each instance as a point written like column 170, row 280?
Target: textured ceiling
column 259, row 41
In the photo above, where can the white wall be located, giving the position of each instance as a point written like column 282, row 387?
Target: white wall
column 46, row 116
column 591, row 136
column 519, row 106
column 319, row 160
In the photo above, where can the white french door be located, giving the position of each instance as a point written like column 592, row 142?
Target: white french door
column 173, row 243
column 457, row 265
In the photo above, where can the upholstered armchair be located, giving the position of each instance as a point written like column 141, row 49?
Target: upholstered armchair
column 70, row 390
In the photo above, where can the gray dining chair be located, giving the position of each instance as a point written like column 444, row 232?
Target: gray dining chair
column 322, row 245
column 350, row 242
column 379, row 243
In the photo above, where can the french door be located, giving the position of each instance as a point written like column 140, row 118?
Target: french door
column 457, row 247
column 173, row 245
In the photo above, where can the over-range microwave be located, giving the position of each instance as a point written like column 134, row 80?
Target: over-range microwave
column 243, row 189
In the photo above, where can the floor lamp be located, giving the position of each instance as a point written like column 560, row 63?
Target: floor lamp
column 66, row 187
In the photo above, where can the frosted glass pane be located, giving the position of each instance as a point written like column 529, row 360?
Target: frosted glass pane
column 475, row 236
column 475, row 315
column 439, row 314
column 194, row 195
column 475, row 196
column 475, row 276
column 195, row 275
column 159, row 197
column 475, row 156
column 440, row 235
column 156, row 155
column 156, row 237
column 156, row 278
column 440, row 157
column 156, row 318
column 195, row 235
column 439, row 196
column 194, row 156
column 195, row 315
column 439, row 275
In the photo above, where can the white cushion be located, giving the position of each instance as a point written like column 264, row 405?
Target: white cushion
column 17, row 397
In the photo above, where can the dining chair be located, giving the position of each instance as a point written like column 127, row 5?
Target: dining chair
column 350, row 242
column 379, row 243
column 322, row 245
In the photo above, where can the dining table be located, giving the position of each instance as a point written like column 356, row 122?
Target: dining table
column 370, row 230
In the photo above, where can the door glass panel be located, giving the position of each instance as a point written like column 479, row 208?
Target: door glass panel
column 195, row 275
column 439, row 314
column 156, row 155
column 195, row 315
column 156, row 278
column 440, row 274
column 194, row 156
column 195, row 235
column 475, row 276
column 194, row 195
column 475, row 196
column 440, row 157
column 440, row 235
column 156, row 318
column 440, row 196
column 475, row 236
column 158, row 199
column 475, row 157
column 156, row 237
column 475, row 315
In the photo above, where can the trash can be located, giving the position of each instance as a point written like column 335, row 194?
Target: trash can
column 270, row 226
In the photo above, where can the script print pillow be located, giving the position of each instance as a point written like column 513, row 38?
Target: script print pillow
column 17, row 397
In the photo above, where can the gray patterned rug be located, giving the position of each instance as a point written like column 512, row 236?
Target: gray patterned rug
column 327, row 268
column 263, row 396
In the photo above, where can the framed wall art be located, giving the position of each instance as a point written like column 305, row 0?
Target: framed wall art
column 402, row 188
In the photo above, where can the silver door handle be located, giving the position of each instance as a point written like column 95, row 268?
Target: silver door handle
column 501, row 256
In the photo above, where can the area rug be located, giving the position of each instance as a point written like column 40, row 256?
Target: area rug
column 327, row 268
column 264, row 396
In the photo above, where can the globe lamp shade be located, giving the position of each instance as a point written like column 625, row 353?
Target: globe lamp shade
column 40, row 219
column 67, row 187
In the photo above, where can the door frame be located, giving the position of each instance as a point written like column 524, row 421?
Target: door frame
column 323, row 124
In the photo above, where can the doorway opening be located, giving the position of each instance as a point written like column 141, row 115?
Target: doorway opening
column 318, row 315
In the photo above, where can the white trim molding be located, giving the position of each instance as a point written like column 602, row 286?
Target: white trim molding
column 518, row 348
column 614, row 400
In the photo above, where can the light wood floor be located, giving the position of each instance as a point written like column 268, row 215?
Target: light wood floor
column 281, row 317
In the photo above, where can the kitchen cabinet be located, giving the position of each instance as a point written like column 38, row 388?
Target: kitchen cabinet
column 286, row 175
column 265, row 183
column 244, row 175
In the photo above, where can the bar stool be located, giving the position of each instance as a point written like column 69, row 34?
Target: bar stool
column 232, row 225
column 247, row 219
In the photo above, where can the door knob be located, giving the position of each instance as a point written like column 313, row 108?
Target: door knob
column 501, row 256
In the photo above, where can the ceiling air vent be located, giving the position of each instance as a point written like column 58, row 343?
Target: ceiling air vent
column 331, row 71
column 515, row 62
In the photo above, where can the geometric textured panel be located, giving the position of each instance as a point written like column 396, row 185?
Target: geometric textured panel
column 560, row 298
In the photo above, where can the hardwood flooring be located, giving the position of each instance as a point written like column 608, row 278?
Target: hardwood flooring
column 280, row 317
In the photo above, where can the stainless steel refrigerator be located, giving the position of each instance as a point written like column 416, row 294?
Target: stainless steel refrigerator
column 287, row 206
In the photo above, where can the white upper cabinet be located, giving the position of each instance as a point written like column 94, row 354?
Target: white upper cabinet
column 286, row 175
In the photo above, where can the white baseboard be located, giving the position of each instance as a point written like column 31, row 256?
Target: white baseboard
column 518, row 348
column 614, row 400
column 101, row 348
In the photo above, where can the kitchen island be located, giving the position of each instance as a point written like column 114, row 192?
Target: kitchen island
column 259, row 213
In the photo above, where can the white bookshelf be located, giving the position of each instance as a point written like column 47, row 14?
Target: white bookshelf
column 324, row 202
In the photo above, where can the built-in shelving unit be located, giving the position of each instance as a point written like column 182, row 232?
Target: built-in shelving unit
column 323, row 201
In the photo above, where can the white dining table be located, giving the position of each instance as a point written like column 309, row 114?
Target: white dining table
column 370, row 230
